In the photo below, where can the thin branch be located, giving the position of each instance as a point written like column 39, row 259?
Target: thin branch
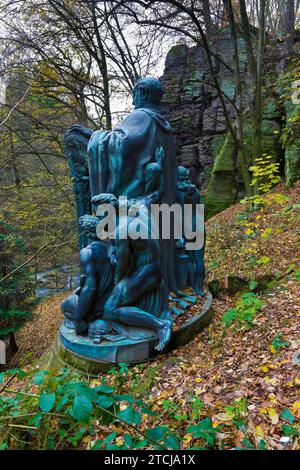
column 8, row 382
column 20, row 101
column 46, row 245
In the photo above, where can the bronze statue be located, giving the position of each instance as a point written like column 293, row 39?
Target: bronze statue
column 126, row 281
column 86, row 304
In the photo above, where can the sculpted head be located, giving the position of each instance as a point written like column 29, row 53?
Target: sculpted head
column 182, row 173
column 88, row 224
column 147, row 91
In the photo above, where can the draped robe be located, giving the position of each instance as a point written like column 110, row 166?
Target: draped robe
column 117, row 162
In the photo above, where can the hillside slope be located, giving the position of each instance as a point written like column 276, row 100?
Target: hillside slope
column 241, row 367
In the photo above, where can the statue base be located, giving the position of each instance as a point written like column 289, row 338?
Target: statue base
column 82, row 354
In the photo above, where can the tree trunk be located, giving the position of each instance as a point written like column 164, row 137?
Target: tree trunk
column 251, row 63
column 248, row 44
column 102, row 64
column 257, row 121
column 13, row 347
column 255, row 70
column 207, row 20
column 14, row 165
column 241, row 157
column 289, row 30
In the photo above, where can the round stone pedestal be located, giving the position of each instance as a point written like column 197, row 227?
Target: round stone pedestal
column 83, row 355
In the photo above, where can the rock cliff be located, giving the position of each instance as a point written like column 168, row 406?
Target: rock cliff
column 202, row 141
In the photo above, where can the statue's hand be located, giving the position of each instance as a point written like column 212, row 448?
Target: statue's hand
column 78, row 129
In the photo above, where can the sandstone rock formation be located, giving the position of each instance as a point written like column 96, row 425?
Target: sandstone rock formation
column 203, row 144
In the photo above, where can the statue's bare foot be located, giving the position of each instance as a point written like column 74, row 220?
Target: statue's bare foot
column 164, row 335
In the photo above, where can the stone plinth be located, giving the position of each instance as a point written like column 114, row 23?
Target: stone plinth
column 83, row 355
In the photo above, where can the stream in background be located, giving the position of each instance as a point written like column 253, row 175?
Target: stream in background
column 53, row 281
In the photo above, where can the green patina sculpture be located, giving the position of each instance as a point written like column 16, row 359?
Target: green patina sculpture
column 126, row 282
column 190, row 269
column 86, row 304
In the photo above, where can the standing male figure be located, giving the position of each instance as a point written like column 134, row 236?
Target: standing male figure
column 118, row 159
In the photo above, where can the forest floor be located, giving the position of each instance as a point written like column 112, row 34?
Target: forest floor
column 244, row 365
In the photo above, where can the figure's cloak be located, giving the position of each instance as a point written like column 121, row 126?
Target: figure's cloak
column 117, row 162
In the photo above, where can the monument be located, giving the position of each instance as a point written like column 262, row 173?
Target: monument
column 132, row 287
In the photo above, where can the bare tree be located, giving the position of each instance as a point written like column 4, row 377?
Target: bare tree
column 242, row 160
column 96, row 53
column 190, row 23
column 289, row 28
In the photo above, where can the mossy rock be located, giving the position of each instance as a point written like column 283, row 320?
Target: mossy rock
column 178, row 50
column 197, row 74
column 224, row 161
column 214, row 287
column 292, row 143
column 216, row 143
column 169, row 98
column 286, row 87
column 192, row 87
column 235, row 284
column 292, row 162
column 206, row 175
column 186, row 121
column 220, row 194
column 270, row 138
column 187, row 157
column 228, row 88
column 221, row 191
column 270, row 110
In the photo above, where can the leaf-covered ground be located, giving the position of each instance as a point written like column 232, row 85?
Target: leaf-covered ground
column 244, row 376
